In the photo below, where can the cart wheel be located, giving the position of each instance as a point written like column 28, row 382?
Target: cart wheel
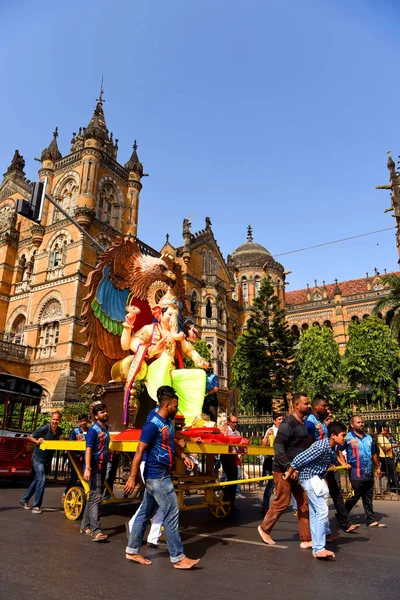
column 74, row 503
column 222, row 510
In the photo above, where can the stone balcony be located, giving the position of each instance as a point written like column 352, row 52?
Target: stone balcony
column 23, row 286
column 56, row 273
column 11, row 350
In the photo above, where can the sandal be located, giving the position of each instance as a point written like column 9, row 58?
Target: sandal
column 380, row 525
column 86, row 531
column 99, row 537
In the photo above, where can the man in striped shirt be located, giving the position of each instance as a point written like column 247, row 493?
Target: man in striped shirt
column 317, row 430
column 310, row 468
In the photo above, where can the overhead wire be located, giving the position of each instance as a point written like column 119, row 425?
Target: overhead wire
column 351, row 237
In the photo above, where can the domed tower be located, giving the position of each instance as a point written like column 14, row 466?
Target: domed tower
column 249, row 264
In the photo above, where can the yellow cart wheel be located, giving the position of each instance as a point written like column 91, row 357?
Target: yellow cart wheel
column 223, row 508
column 74, row 503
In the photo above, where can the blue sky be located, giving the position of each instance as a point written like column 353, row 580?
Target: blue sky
column 274, row 114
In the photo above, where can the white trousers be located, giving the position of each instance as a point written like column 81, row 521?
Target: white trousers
column 156, row 522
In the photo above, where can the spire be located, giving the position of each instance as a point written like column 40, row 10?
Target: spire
column 249, row 234
column 97, row 127
column 17, row 163
column 134, row 165
column 52, row 152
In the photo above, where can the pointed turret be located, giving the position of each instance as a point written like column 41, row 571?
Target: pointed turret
column 52, row 152
column 97, row 128
column 17, row 165
column 134, row 165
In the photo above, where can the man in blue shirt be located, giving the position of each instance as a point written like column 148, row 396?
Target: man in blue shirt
column 41, row 461
column 312, row 465
column 157, row 440
column 317, row 430
column 210, row 406
column 362, row 456
column 96, row 458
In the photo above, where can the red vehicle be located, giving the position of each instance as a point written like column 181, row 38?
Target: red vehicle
column 19, row 408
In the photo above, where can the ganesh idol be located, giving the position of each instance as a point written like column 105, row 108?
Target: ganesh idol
column 158, row 351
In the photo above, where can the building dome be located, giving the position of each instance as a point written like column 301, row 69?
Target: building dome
column 250, row 254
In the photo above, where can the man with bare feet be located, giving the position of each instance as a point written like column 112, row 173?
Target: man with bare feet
column 291, row 439
column 157, row 440
column 310, row 467
column 318, row 430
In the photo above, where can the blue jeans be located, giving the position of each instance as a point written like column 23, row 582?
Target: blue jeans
column 158, row 493
column 319, row 522
column 37, row 485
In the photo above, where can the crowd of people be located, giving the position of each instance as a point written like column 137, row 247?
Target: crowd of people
column 309, row 447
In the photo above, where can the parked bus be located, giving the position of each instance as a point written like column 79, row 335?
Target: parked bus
column 19, row 409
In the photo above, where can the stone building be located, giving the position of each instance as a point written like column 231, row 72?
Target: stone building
column 43, row 267
column 334, row 305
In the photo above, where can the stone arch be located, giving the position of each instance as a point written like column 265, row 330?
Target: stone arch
column 304, row 327
column 16, row 332
column 66, row 193
column 110, row 181
column 53, row 295
column 61, row 182
column 51, row 310
column 194, row 301
column 56, row 234
column 110, row 202
column 20, row 310
column 209, row 308
column 295, row 331
column 104, row 240
column 355, row 319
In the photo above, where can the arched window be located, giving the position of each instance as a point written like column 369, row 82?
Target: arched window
column 17, row 330
column 210, row 265
column 49, row 328
column 304, row 327
column 328, row 324
column 295, row 331
column 221, row 313
column 209, row 309
column 355, row 319
column 67, row 199
column 245, row 289
column 257, row 285
column 193, row 303
column 216, row 266
column 365, row 317
column 22, row 268
column 204, row 255
column 58, row 253
column 316, row 324
column 109, row 210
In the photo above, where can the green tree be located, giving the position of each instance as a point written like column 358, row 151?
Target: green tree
column 262, row 365
column 201, row 347
column 317, row 362
column 251, row 373
column 372, row 358
column 391, row 303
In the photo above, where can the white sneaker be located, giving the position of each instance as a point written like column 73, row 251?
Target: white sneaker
column 240, row 496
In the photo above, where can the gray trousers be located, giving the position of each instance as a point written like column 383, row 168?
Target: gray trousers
column 91, row 516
